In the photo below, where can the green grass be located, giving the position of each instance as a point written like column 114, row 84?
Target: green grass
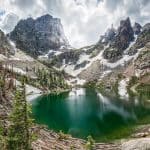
column 124, row 132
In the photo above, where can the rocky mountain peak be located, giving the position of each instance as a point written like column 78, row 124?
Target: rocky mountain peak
column 45, row 17
column 39, row 35
column 125, row 22
column 137, row 28
column 143, row 37
column 146, row 27
column 109, row 35
column 125, row 34
column 121, row 40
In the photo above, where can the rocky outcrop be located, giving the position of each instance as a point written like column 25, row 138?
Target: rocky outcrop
column 121, row 41
column 137, row 28
column 143, row 37
column 124, row 35
column 137, row 144
column 5, row 46
column 68, row 57
column 40, row 35
column 93, row 72
column 49, row 140
column 81, row 65
column 142, row 63
column 109, row 35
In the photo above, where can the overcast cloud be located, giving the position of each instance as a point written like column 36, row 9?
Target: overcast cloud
column 83, row 20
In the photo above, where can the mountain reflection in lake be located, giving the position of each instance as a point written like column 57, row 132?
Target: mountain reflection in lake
column 84, row 112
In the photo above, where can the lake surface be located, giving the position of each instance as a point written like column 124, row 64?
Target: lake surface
column 84, row 112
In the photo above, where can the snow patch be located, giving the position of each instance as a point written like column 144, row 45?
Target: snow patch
column 83, row 57
column 122, row 88
column 17, row 70
column 70, row 68
column 21, row 56
column 2, row 57
column 31, row 92
column 75, row 81
column 13, row 45
column 105, row 73
column 50, row 52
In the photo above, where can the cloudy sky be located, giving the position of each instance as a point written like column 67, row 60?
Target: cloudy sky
column 83, row 20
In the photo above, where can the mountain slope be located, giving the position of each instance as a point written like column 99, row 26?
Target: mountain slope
column 122, row 46
column 5, row 45
column 21, row 65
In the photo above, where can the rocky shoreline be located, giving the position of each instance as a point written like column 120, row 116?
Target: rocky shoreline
column 50, row 140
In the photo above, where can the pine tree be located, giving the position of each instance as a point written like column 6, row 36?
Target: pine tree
column 19, row 137
column 2, row 138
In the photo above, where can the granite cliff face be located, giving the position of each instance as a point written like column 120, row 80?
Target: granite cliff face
column 40, row 35
column 137, row 28
column 120, row 42
column 109, row 35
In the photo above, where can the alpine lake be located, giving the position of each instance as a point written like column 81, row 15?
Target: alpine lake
column 83, row 112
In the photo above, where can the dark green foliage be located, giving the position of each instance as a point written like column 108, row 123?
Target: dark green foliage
column 2, row 137
column 2, row 85
column 62, row 135
column 90, row 84
column 133, row 80
column 51, row 80
column 90, row 143
column 19, row 137
column 144, row 90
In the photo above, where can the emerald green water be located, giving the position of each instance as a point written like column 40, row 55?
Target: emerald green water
column 84, row 112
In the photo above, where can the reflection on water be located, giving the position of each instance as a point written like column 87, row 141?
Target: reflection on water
column 84, row 112
column 107, row 105
column 77, row 92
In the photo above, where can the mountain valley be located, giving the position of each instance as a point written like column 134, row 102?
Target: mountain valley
column 118, row 65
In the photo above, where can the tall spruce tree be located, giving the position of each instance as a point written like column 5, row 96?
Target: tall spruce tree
column 2, row 138
column 19, row 137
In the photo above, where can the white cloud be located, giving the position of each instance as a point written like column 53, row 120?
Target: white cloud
column 83, row 20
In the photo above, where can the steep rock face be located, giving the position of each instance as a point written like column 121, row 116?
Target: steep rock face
column 142, row 39
column 121, row 41
column 40, row 35
column 109, row 35
column 5, row 46
column 137, row 28
column 68, row 57
column 143, row 62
